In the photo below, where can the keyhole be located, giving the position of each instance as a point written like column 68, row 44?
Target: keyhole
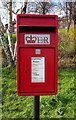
column 25, row 71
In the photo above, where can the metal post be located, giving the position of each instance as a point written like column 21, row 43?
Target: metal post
column 36, row 107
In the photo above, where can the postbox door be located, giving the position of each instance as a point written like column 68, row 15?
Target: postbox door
column 37, row 69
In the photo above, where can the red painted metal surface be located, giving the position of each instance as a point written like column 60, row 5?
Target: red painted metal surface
column 37, row 25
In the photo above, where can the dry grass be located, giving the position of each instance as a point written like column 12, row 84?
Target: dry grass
column 67, row 62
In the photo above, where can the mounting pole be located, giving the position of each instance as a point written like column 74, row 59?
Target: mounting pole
column 36, row 107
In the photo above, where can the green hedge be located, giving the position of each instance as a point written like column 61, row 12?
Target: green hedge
column 13, row 37
column 61, row 31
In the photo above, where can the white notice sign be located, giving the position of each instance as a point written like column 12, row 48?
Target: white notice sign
column 38, row 69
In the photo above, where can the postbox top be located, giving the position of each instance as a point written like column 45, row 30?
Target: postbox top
column 37, row 20
column 35, row 15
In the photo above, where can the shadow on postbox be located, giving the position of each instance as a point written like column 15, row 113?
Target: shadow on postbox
column 37, row 55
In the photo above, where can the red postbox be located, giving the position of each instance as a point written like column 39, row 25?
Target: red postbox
column 37, row 55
